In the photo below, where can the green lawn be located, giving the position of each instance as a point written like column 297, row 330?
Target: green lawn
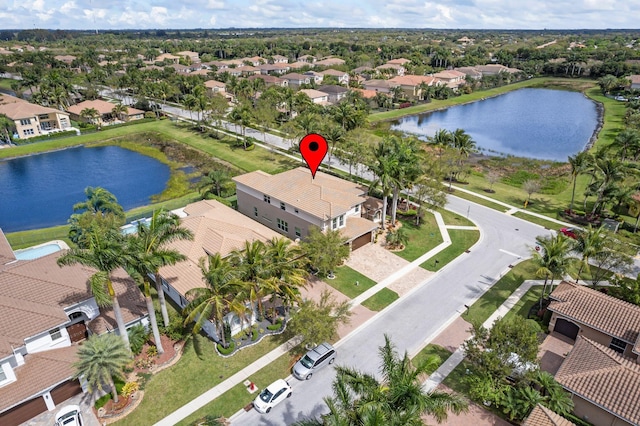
column 345, row 282
column 5, row 83
column 481, row 201
column 421, row 238
column 499, row 292
column 542, row 222
column 431, row 350
column 461, row 240
column 381, row 300
column 456, row 379
column 525, row 303
column 22, row 239
column 193, row 375
column 451, row 218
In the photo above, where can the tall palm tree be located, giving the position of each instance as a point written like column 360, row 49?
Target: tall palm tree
column 286, row 267
column 397, row 399
column 626, row 142
column 119, row 109
column 552, row 258
column 579, row 164
column 148, row 253
column 90, row 114
column 588, row 244
column 100, row 360
column 99, row 201
column 383, row 168
column 607, row 172
column 213, row 182
column 105, row 253
column 217, row 298
column 252, row 271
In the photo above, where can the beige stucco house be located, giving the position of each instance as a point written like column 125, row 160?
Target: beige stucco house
column 33, row 120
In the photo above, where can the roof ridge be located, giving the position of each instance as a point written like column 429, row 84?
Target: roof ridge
column 600, row 294
column 614, row 356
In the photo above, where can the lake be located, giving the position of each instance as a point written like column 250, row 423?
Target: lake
column 534, row 123
column 39, row 191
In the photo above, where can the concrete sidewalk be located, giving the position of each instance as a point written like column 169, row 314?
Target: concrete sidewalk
column 456, row 358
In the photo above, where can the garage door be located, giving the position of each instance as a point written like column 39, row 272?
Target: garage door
column 566, row 328
column 362, row 240
column 65, row 391
column 77, row 332
column 23, row 412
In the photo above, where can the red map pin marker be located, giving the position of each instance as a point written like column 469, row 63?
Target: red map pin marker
column 313, row 148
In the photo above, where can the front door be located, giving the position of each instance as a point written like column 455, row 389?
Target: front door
column 77, row 332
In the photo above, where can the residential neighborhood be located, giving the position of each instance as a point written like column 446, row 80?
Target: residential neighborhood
column 418, row 272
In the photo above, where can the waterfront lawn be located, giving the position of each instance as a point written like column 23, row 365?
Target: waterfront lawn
column 421, row 238
column 499, row 292
column 23, row 239
column 381, row 300
column 345, row 282
column 461, row 240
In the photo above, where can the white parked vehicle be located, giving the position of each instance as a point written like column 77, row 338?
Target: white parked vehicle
column 69, row 416
column 272, row 395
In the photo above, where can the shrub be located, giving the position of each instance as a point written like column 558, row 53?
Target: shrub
column 144, row 363
column 254, row 334
column 176, row 329
column 152, row 351
column 138, row 336
column 100, row 402
column 274, row 327
column 143, row 378
column 227, row 332
column 129, row 388
column 226, row 351
column 149, row 114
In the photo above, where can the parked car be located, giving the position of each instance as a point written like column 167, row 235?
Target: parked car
column 315, row 359
column 272, row 395
column 570, row 232
column 69, row 416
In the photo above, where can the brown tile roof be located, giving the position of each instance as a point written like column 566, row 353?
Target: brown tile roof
column 330, row 61
column 295, row 76
column 603, row 377
column 399, row 61
column 103, row 107
column 367, row 94
column 16, row 108
column 214, row 83
column 412, row 80
column 324, row 197
column 357, row 226
column 296, row 65
column 635, row 79
column 597, row 310
column 216, row 229
column 41, row 371
column 542, row 416
column 6, row 252
column 267, row 78
column 335, row 73
column 314, row 94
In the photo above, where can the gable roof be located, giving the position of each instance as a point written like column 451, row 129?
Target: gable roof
column 333, row 88
column 16, row 108
column 412, row 80
column 333, row 72
column 295, row 76
column 603, row 377
column 314, row 94
column 399, row 61
column 597, row 310
column 103, row 107
column 635, row 79
column 216, row 229
column 542, row 416
column 324, row 197
column 267, row 78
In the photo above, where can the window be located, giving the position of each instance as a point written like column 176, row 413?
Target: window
column 298, row 233
column 25, row 121
column 255, row 211
column 28, row 131
column 3, row 376
column 283, row 225
column 341, row 218
column 618, row 345
column 282, row 205
column 334, row 223
column 266, row 198
column 55, row 334
column 296, row 210
column 357, row 208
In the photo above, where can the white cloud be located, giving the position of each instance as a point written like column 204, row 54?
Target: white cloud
column 68, row 7
column 215, row 4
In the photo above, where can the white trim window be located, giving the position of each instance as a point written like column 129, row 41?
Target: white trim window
column 55, row 334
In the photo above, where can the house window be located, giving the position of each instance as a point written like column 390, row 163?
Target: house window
column 25, row 121
column 341, row 220
column 334, row 223
column 357, row 208
column 282, row 205
column 282, row 225
column 28, row 132
column 255, row 211
column 55, row 334
column 298, row 233
column 266, row 198
column 618, row 345
column 296, row 210
column 3, row 376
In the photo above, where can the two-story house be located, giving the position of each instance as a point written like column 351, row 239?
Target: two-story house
column 316, row 96
column 343, row 77
column 32, row 120
column 335, row 92
column 292, row 202
column 295, row 79
column 45, row 310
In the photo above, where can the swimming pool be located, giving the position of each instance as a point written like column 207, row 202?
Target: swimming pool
column 132, row 227
column 38, row 251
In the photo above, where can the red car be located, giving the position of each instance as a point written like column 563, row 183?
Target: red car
column 570, row 232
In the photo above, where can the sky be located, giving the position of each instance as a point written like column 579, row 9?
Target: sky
column 214, row 14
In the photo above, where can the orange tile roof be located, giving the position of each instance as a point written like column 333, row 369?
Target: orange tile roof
column 103, row 107
column 216, row 229
column 41, row 371
column 412, row 80
column 542, row 416
column 324, row 197
column 603, row 377
column 16, row 108
column 367, row 94
column 597, row 310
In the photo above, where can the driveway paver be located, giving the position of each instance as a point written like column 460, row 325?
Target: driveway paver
column 553, row 351
column 476, row 416
column 48, row 418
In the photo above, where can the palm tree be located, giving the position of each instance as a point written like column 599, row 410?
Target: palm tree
column 286, row 267
column 90, row 114
column 213, row 182
column 383, row 169
column 626, row 141
column 100, row 360
column 464, row 144
column 607, row 172
column 105, row 253
column 119, row 109
column 99, row 201
column 252, row 271
column 333, row 134
column 551, row 257
column 588, row 244
column 217, row 298
column 579, row 163
column 397, row 399
column 149, row 253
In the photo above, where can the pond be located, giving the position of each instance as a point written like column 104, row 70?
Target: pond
column 39, row 191
column 534, row 123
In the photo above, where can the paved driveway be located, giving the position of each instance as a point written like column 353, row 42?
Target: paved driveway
column 377, row 263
